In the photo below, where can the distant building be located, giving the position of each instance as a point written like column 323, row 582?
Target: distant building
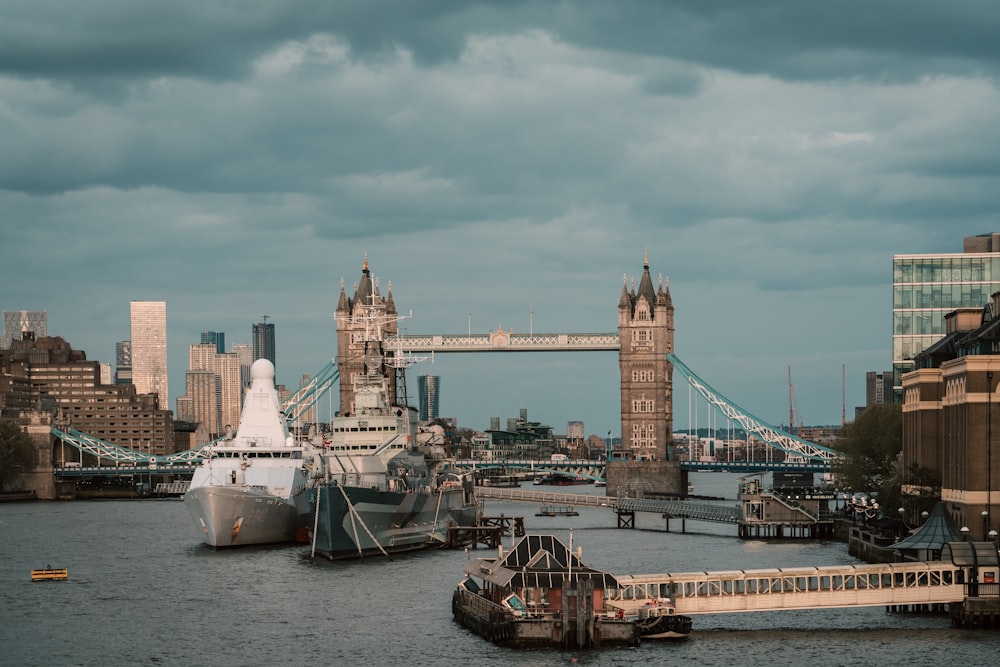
column 522, row 439
column 123, row 362
column 244, row 352
column 17, row 322
column 428, row 388
column 149, row 349
column 878, row 388
column 263, row 341
column 216, row 338
column 949, row 403
column 213, row 389
column 927, row 287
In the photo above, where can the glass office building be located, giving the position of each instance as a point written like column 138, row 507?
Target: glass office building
column 925, row 288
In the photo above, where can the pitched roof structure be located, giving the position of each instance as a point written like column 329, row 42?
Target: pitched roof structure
column 538, row 561
column 938, row 530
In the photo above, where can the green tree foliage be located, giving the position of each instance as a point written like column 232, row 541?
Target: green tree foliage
column 17, row 453
column 871, row 447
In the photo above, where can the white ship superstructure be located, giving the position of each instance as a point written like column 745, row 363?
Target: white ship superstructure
column 242, row 492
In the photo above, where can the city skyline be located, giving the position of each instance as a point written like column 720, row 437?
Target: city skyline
column 502, row 165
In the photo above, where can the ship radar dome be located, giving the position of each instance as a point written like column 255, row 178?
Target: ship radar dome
column 262, row 369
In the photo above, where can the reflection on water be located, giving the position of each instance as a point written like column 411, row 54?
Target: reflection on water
column 142, row 589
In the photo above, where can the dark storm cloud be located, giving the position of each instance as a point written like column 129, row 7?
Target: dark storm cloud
column 511, row 159
column 890, row 40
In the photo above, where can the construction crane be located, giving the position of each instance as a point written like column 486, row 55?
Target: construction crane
column 264, row 318
column 792, row 408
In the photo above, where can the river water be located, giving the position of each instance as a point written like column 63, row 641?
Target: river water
column 144, row 590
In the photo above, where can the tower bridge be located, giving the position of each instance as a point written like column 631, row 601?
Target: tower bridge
column 644, row 343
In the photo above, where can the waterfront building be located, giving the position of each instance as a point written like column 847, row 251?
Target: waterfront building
column 646, row 332
column 948, row 406
column 428, row 389
column 926, row 287
column 522, row 439
column 149, row 349
column 263, row 341
column 60, row 376
column 18, row 322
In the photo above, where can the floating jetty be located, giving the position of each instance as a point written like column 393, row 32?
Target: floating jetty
column 557, row 510
column 50, row 573
column 539, row 594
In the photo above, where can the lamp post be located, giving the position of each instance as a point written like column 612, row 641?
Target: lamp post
column 985, row 516
column 989, row 448
column 992, row 535
column 965, row 533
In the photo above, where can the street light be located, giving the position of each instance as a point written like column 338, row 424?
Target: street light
column 993, row 537
column 965, row 533
column 985, row 516
column 989, row 446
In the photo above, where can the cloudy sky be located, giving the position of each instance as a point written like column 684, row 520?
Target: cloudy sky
column 512, row 160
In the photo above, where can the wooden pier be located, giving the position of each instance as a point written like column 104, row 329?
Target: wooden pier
column 489, row 532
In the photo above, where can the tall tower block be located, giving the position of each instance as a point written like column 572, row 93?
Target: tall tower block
column 646, row 332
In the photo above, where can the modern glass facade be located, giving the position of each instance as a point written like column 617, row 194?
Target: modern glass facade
column 925, row 288
column 263, row 342
column 16, row 322
column 428, row 387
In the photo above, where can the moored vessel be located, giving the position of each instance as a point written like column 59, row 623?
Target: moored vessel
column 373, row 489
column 241, row 494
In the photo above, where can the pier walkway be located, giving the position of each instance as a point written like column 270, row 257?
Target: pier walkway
column 675, row 509
column 901, row 585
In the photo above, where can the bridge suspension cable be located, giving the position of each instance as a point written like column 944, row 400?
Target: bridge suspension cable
column 796, row 449
column 305, row 398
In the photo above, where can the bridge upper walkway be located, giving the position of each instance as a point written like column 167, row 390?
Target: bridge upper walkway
column 862, row 585
column 678, row 509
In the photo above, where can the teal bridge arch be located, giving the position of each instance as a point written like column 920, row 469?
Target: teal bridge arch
column 799, row 455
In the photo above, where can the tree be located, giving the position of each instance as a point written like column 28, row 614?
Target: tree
column 871, row 447
column 17, row 452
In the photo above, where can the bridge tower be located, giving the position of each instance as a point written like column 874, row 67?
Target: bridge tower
column 646, row 333
column 351, row 325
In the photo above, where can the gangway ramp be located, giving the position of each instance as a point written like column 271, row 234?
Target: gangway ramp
column 827, row 587
column 675, row 509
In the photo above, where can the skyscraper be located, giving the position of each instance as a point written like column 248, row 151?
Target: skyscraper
column 216, row 338
column 149, row 349
column 16, row 322
column 263, row 341
column 428, row 387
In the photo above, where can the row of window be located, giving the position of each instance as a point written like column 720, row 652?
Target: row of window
column 942, row 296
column 945, row 576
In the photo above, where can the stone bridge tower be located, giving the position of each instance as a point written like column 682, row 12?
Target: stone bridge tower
column 353, row 323
column 646, row 332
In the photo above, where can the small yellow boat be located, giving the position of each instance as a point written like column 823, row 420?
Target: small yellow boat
column 50, row 574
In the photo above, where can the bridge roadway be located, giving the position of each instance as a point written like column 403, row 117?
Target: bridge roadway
column 676, row 509
column 826, row 587
column 595, row 469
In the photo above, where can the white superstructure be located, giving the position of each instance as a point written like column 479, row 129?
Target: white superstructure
column 242, row 492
